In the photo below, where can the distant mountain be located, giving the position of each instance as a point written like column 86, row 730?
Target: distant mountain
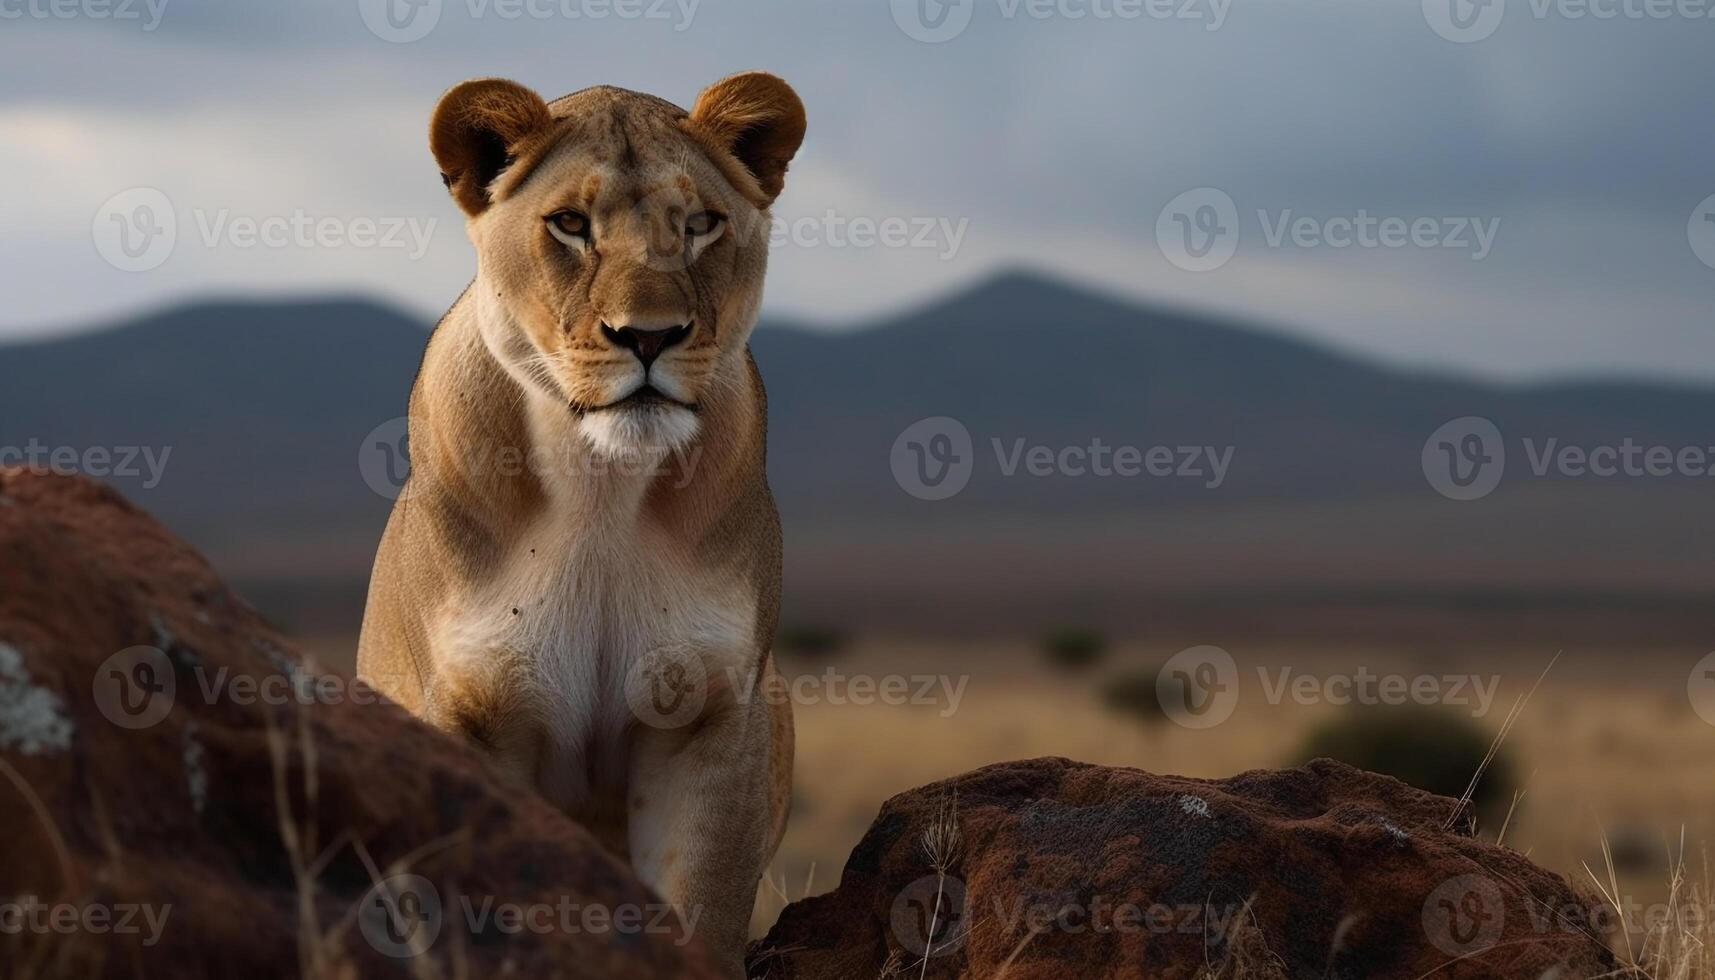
column 264, row 408
column 258, row 410
column 1024, row 357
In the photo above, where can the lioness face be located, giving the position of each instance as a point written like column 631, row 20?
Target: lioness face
column 621, row 241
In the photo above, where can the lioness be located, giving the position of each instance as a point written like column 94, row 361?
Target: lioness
column 582, row 574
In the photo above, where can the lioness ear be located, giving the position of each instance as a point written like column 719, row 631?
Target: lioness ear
column 758, row 119
column 477, row 129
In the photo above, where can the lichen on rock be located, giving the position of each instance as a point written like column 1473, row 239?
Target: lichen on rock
column 32, row 718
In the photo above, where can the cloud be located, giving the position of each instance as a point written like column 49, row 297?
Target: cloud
column 1046, row 140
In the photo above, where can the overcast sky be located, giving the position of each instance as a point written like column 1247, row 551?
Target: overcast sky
column 1512, row 189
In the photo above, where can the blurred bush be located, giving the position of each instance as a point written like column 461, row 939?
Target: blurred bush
column 1074, row 649
column 1431, row 748
column 1636, row 849
column 1133, row 694
column 810, row 642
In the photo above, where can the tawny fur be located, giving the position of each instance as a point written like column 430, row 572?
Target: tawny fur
column 556, row 543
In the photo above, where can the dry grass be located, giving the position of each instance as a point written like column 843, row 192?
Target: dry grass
column 322, row 952
column 1676, row 939
column 1604, row 748
column 52, row 955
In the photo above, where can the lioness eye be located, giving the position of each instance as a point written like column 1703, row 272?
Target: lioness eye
column 703, row 223
column 569, row 227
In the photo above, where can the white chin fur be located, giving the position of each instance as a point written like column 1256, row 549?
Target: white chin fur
column 625, row 432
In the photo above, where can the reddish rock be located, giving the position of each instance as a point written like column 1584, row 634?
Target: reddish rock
column 1058, row 869
column 252, row 823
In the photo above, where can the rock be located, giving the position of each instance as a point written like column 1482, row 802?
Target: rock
column 183, row 795
column 1055, row 869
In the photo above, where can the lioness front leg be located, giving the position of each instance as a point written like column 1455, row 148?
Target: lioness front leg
column 484, row 702
column 700, row 822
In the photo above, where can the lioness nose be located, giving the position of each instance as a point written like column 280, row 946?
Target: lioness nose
column 646, row 344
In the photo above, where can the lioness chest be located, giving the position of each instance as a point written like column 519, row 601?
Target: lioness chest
column 567, row 626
